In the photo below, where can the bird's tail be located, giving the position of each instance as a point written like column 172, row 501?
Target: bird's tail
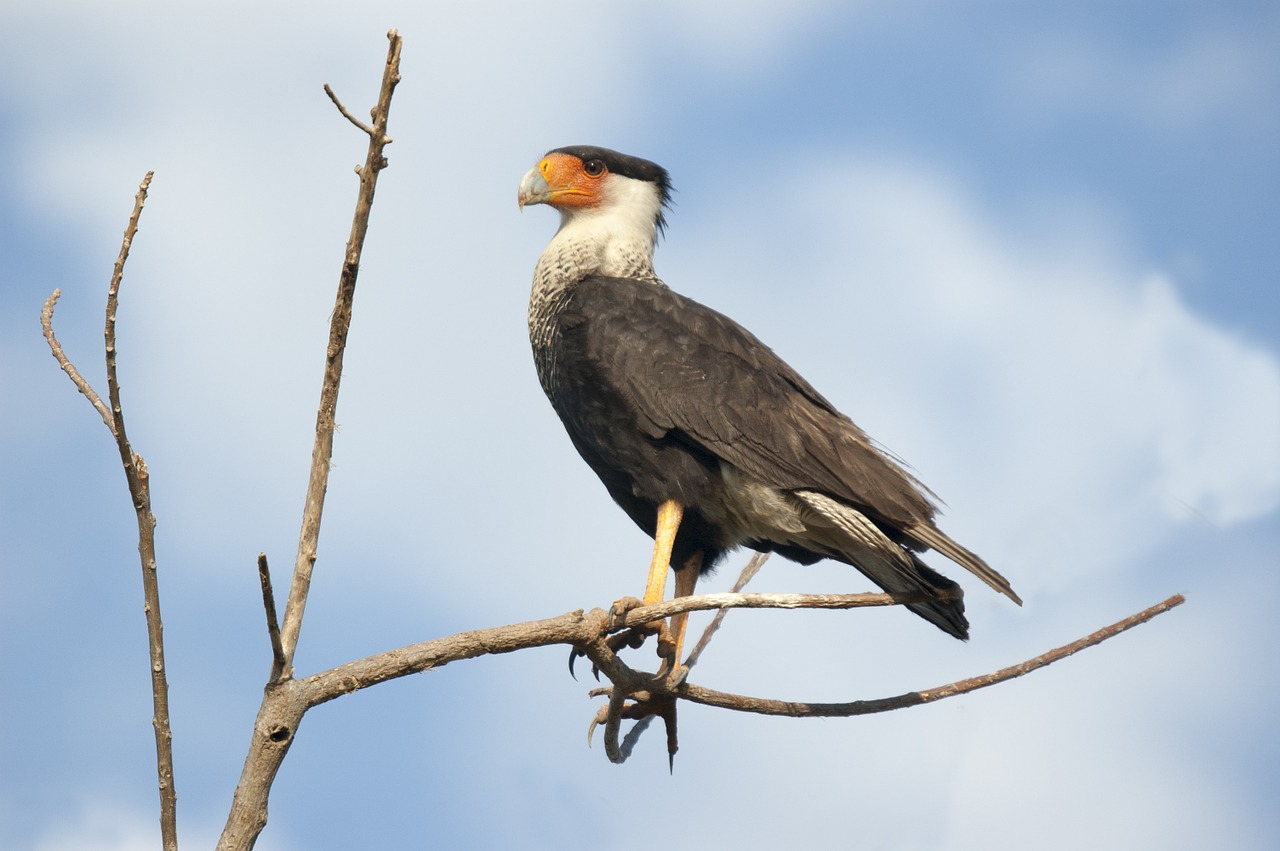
column 946, row 610
column 842, row 532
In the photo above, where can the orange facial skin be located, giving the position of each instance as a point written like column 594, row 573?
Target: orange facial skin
column 564, row 181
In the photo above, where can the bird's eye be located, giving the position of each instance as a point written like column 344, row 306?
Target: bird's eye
column 593, row 168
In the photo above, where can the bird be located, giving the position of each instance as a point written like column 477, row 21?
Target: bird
column 703, row 435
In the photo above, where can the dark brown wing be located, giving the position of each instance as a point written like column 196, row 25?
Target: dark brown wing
column 684, row 367
column 656, row 389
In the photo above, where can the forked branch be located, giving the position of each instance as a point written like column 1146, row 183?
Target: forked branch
column 340, row 323
column 135, row 470
column 273, row 624
column 280, row 712
column 81, row 383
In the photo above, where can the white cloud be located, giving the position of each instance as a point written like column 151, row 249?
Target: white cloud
column 1211, row 406
column 1026, row 366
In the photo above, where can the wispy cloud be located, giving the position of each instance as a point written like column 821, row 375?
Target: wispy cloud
column 1036, row 368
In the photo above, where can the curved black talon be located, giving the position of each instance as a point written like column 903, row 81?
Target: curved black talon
column 574, row 654
column 632, row 638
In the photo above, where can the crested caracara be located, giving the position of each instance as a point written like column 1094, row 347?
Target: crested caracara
column 703, row 435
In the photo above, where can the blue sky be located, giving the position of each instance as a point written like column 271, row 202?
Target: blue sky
column 1032, row 251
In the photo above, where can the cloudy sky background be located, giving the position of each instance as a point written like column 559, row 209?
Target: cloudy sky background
column 1033, row 252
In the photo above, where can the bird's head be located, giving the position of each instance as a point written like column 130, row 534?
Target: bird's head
column 586, row 182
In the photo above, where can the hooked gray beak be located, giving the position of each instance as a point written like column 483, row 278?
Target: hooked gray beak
column 533, row 189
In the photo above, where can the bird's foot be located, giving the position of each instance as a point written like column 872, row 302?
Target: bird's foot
column 671, row 673
column 632, row 638
column 642, row 706
column 619, row 610
column 638, row 695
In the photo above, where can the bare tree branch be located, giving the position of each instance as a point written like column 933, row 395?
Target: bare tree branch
column 652, row 696
column 286, row 703
column 792, row 709
column 749, row 572
column 590, row 630
column 135, row 471
column 347, row 115
column 340, row 323
column 642, row 615
column 273, row 625
column 282, row 704
column 46, row 323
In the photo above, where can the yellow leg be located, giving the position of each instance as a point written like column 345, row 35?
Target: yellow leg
column 669, row 514
column 686, row 579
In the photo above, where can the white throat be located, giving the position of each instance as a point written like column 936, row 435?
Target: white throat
column 615, row 238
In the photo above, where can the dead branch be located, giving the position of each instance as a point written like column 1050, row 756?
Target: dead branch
column 702, row 602
column 46, row 323
column 289, row 700
column 652, row 696
column 273, row 625
column 276, row 722
column 749, row 572
column 590, row 630
column 135, row 470
column 347, row 115
column 340, row 323
column 792, row 709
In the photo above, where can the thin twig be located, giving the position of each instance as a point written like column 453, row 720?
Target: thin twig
column 81, row 383
column 340, row 323
column 113, row 300
column 795, row 709
column 273, row 625
column 748, row 573
column 701, row 602
column 135, row 470
column 345, row 114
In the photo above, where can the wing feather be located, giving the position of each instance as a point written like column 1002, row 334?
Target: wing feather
column 686, row 368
